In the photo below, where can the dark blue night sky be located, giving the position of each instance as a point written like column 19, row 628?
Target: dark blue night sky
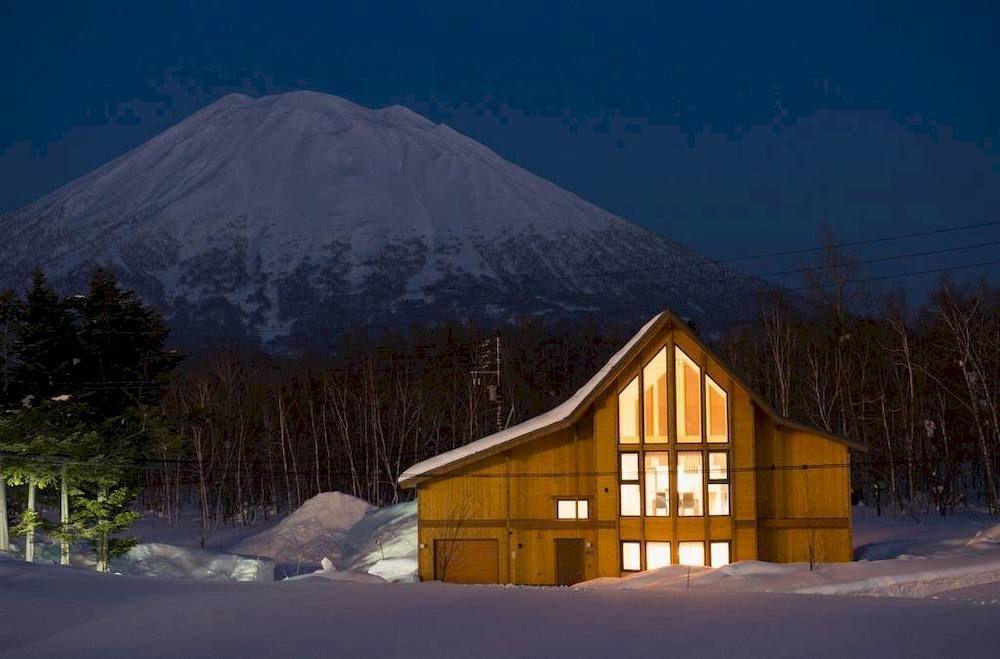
column 724, row 126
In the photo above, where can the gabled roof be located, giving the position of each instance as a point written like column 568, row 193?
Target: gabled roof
column 568, row 412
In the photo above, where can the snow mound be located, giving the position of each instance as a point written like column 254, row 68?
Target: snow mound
column 384, row 543
column 162, row 560
column 990, row 536
column 314, row 531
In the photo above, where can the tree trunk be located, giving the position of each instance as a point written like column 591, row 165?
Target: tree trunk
column 29, row 538
column 64, row 516
column 4, row 529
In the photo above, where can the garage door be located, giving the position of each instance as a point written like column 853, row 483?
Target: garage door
column 466, row 561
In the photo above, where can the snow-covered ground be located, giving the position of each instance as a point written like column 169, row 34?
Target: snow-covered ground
column 943, row 576
column 897, row 557
column 52, row 612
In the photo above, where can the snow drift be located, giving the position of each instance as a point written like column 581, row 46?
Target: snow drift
column 314, row 531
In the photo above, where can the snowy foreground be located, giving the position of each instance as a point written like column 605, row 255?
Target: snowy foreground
column 49, row 612
column 931, row 588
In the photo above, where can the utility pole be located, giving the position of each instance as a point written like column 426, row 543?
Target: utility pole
column 487, row 372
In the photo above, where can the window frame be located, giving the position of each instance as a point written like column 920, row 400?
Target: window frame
column 621, row 553
column 574, row 500
column 710, row 383
column 692, row 542
column 702, row 485
column 645, row 476
column 670, row 558
column 680, row 404
column 637, row 482
column 729, row 552
column 637, row 381
column 663, row 439
column 719, row 481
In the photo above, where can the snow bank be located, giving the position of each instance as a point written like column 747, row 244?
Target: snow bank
column 162, row 560
column 384, row 543
column 314, row 531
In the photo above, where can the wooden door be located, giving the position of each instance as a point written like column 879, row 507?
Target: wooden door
column 467, row 561
column 569, row 561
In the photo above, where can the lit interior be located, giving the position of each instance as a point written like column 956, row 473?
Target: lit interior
column 654, row 398
column 657, row 555
column 690, row 476
column 572, row 509
column 716, row 415
column 630, row 557
column 720, row 554
column 630, row 500
column 628, row 413
column 657, row 484
column 688, row 399
column 691, row 553
column 566, row 509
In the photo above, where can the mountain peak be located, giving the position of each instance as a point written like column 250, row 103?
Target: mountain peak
column 288, row 213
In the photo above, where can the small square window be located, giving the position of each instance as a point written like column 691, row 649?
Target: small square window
column 572, row 509
column 630, row 557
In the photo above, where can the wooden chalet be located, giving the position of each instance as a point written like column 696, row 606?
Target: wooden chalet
column 663, row 458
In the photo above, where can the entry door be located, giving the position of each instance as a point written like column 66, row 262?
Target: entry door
column 569, row 561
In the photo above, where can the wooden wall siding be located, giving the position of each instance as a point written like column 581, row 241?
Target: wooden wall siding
column 802, row 507
column 775, row 515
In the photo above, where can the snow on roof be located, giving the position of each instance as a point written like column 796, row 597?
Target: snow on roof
column 555, row 415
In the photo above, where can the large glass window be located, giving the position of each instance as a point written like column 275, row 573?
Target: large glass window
column 630, row 556
column 720, row 554
column 690, row 480
column 628, row 413
column 572, row 509
column 657, row 555
column 688, row 384
column 716, row 412
column 631, row 500
column 718, row 482
column 657, row 484
column 654, row 398
column 691, row 553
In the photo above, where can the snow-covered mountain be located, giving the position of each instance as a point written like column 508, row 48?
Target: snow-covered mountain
column 303, row 213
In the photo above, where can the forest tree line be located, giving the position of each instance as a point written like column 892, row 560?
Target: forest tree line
column 236, row 433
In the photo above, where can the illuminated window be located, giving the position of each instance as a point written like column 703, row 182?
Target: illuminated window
column 657, row 484
column 688, row 399
column 628, row 413
column 630, row 557
column 572, row 509
column 716, row 413
column 631, row 499
column 691, row 553
column 657, row 555
column 720, row 554
column 718, row 483
column 690, row 479
column 654, row 398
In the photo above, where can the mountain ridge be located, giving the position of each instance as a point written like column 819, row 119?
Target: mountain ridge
column 288, row 214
